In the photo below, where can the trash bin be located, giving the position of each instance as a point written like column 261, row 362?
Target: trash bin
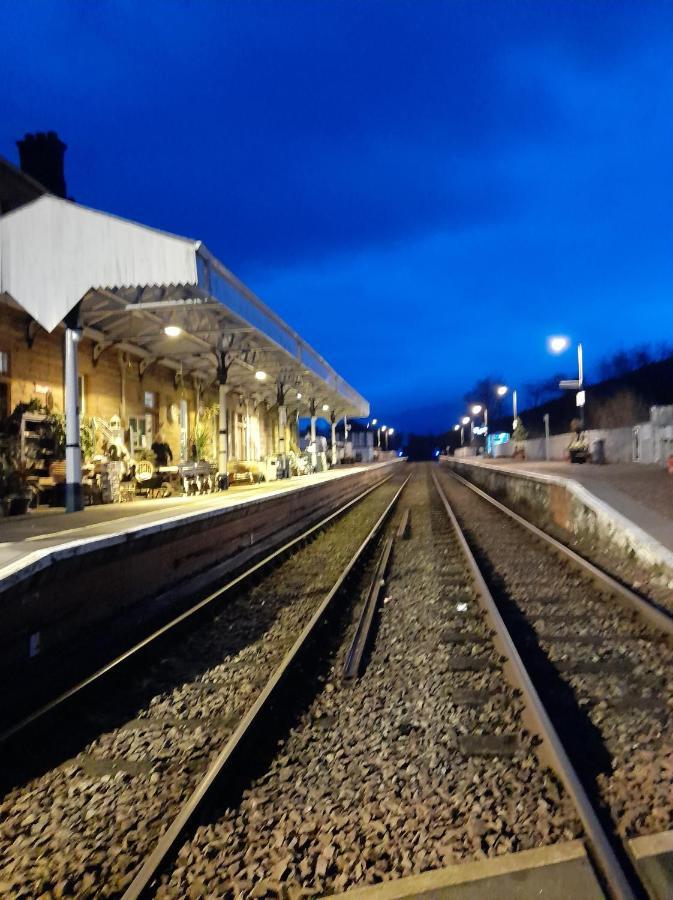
column 598, row 452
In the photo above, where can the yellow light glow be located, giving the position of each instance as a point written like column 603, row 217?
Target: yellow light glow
column 260, row 376
column 173, row 330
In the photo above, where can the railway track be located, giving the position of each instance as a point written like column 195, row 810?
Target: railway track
column 97, row 775
column 601, row 659
column 424, row 762
column 456, row 739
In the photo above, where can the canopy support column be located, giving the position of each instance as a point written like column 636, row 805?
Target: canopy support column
column 335, row 452
column 222, row 436
column 73, row 453
column 282, row 427
column 314, row 447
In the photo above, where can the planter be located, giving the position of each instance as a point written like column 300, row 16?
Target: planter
column 15, row 506
column 578, row 456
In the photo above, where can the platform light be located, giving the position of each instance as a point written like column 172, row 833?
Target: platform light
column 375, row 421
column 476, row 409
column 173, row 330
column 260, row 376
column 325, row 407
column 501, row 390
column 456, row 427
column 558, row 343
column 391, row 431
column 465, row 420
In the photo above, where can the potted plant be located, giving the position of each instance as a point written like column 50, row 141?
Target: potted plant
column 519, row 436
column 578, row 448
column 16, row 487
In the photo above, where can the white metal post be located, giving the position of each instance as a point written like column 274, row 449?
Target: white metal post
column 73, row 453
column 580, row 365
column 514, row 416
column 248, row 435
column 222, row 438
column 314, row 451
column 335, row 455
column 546, row 436
column 282, row 422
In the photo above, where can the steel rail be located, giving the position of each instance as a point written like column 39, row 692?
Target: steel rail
column 143, row 644
column 356, row 651
column 652, row 614
column 600, row 845
column 154, row 862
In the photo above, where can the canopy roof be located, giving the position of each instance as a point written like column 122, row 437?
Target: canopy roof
column 133, row 281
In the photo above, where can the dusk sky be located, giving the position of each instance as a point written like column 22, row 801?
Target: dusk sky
column 424, row 190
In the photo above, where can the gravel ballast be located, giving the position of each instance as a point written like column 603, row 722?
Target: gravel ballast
column 81, row 829
column 422, row 763
column 606, row 676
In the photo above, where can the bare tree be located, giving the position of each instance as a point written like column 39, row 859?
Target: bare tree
column 622, row 408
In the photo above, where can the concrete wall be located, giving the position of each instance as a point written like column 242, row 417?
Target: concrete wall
column 105, row 582
column 618, row 444
column 563, row 506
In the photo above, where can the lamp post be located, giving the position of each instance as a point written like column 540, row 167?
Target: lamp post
column 558, row 344
column 479, row 408
column 501, row 391
column 466, row 420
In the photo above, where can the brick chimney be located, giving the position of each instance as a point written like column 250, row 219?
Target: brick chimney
column 41, row 157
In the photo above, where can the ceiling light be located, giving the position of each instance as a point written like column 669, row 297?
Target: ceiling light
column 260, row 376
column 298, row 395
column 173, row 330
column 325, row 407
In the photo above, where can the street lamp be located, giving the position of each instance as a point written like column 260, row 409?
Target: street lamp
column 501, row 390
column 479, row 408
column 559, row 343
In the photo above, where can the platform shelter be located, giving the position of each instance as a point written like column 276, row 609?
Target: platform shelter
column 113, row 318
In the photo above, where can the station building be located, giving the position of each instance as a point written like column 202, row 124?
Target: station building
column 140, row 334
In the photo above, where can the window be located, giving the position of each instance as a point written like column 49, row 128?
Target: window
column 150, row 399
column 4, row 362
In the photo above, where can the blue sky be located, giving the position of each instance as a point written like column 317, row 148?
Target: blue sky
column 425, row 190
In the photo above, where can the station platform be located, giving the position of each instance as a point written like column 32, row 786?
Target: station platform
column 27, row 540
column 643, row 494
column 93, row 575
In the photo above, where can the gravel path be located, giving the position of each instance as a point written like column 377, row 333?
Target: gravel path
column 81, row 830
column 422, row 763
column 605, row 676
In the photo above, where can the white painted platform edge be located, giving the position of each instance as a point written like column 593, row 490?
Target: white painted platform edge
column 39, row 559
column 648, row 548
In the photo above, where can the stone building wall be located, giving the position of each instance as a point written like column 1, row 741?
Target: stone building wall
column 37, row 371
